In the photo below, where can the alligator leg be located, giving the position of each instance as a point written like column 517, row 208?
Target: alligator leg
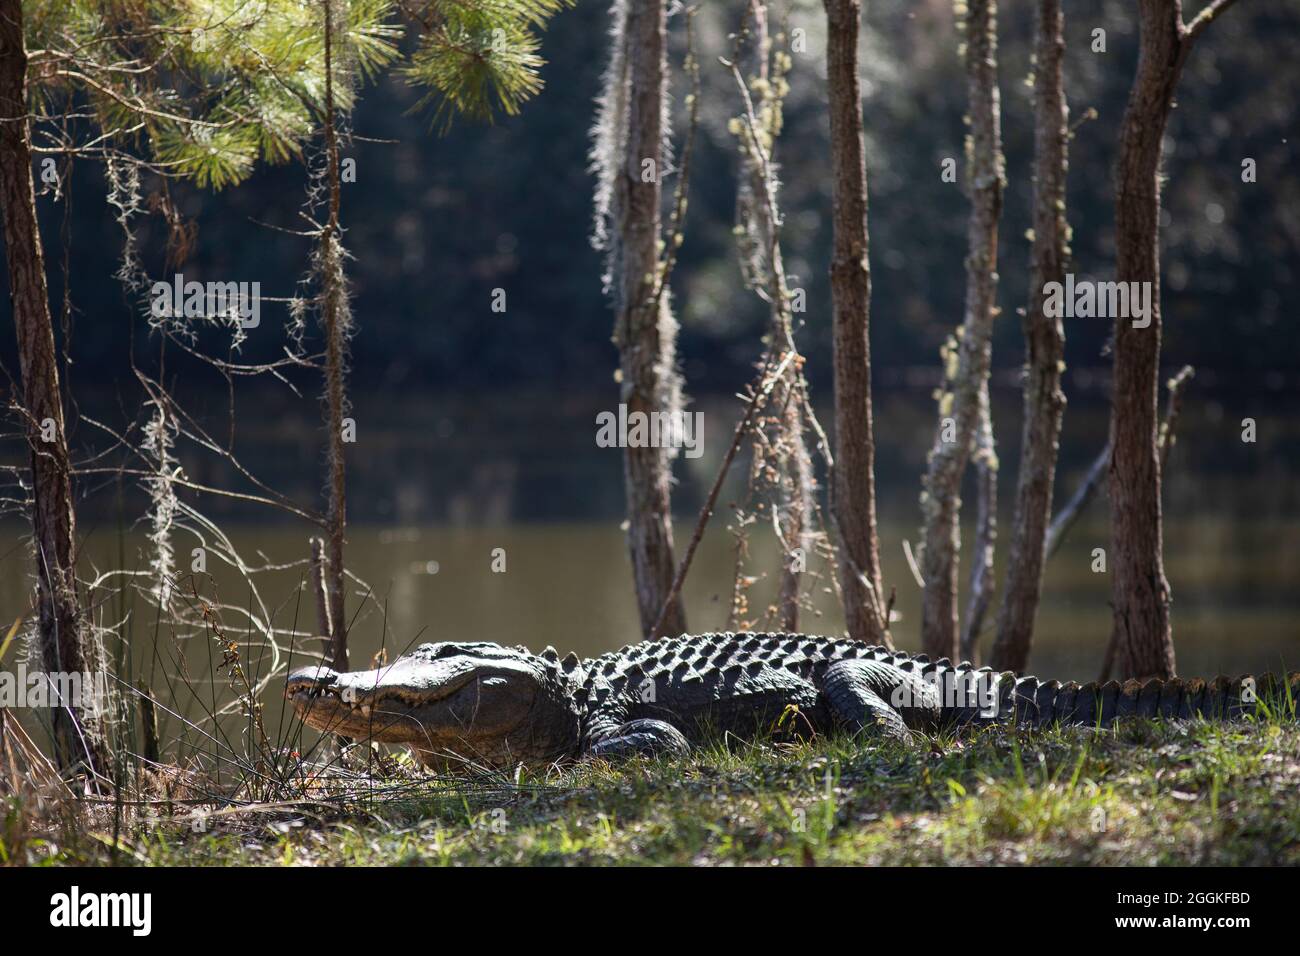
column 647, row 737
column 867, row 694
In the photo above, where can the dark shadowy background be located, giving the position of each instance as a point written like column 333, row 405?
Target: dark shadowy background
column 436, row 223
column 476, row 429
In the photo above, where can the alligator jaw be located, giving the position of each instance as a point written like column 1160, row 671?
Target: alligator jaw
column 406, row 702
column 490, row 706
column 416, row 677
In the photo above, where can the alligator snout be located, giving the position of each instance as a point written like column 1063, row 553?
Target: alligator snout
column 312, row 680
column 474, row 701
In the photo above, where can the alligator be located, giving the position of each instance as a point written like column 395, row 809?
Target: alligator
column 495, row 706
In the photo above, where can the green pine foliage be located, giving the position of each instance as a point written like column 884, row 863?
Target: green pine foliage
column 205, row 89
column 480, row 56
column 464, row 68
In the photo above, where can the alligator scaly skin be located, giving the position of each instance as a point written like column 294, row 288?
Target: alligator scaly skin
column 734, row 682
column 498, row 706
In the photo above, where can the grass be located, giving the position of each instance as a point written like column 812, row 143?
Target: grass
column 1147, row 793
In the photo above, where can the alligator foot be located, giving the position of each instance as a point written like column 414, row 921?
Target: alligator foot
column 879, row 698
column 650, row 738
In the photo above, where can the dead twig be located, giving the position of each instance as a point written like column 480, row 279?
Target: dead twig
column 771, row 376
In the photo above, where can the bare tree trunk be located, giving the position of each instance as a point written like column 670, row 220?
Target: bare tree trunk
column 1168, row 435
column 336, row 315
column 1144, row 640
column 78, row 735
column 941, row 500
column 1044, row 351
column 797, row 507
column 794, row 478
column 982, row 579
column 853, row 482
column 645, row 330
column 794, row 472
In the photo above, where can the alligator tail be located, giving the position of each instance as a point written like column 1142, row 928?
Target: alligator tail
column 1030, row 702
column 982, row 695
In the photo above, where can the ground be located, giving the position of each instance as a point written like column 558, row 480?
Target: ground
column 1149, row 793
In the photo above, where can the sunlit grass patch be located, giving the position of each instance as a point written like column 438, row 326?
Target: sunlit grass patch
column 1150, row 793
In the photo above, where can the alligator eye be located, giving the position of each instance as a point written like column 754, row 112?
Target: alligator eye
column 494, row 682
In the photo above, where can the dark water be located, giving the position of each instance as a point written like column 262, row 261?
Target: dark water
column 459, row 481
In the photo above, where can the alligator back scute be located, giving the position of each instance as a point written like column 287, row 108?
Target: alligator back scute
column 988, row 683
column 1171, row 695
column 722, row 663
column 1109, row 704
column 1086, row 703
column 1026, row 705
column 1268, row 689
column 1149, row 698
column 1236, row 703
column 1233, row 704
column 1006, row 684
column 1066, row 702
column 1193, row 693
column 1205, row 699
column 1045, row 702
column 1216, row 698
column 1242, row 693
column 1126, row 703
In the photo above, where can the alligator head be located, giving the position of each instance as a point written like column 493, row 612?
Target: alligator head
column 472, row 703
